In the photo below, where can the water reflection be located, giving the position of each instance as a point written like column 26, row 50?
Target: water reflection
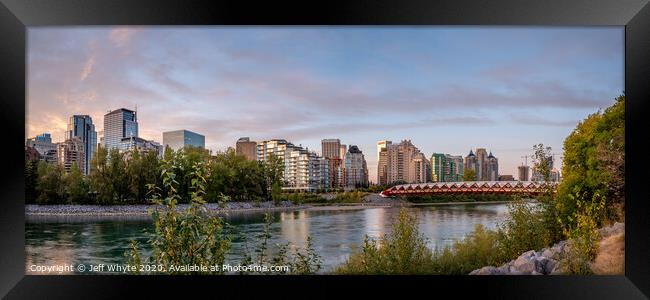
column 65, row 240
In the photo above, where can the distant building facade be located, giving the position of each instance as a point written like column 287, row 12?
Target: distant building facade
column 303, row 170
column 118, row 124
column 42, row 143
column 446, row 168
column 71, row 153
column 140, row 144
column 179, row 139
column 485, row 166
column 356, row 169
column 523, row 173
column 82, row 127
column 402, row 162
column 332, row 150
column 247, row 148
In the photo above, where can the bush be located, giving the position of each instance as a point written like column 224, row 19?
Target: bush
column 403, row 251
column 583, row 237
column 349, row 197
column 478, row 249
column 192, row 237
column 524, row 230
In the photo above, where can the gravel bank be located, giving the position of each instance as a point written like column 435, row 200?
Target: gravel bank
column 125, row 210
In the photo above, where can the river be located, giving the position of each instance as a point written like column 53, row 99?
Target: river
column 57, row 240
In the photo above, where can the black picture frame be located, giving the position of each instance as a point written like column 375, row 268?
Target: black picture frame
column 16, row 15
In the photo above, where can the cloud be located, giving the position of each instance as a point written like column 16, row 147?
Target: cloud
column 122, row 36
column 538, row 121
column 88, row 68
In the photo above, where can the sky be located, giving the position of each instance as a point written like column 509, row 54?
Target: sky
column 447, row 89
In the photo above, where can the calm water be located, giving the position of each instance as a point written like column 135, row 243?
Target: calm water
column 104, row 240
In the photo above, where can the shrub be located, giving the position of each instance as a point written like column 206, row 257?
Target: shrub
column 524, row 230
column 583, row 236
column 403, row 251
column 478, row 249
column 191, row 237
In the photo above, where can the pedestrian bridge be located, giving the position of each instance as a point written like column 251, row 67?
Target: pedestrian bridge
column 470, row 187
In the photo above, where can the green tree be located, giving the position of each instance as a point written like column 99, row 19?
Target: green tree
column 100, row 177
column 31, row 181
column 469, row 175
column 51, row 185
column 594, row 163
column 76, row 186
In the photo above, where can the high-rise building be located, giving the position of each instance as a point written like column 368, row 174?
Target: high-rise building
column 343, row 151
column 179, row 139
column 420, row 168
column 402, row 163
column 481, row 158
column 523, row 172
column 356, row 170
column 492, row 163
column 303, row 170
column 446, row 168
column 471, row 163
column 71, row 152
column 485, row 166
column 247, row 148
column 43, row 144
column 82, row 127
column 331, row 148
column 456, row 167
column 381, row 146
column 440, row 168
column 118, row 124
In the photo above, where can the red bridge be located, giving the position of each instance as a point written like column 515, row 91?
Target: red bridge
column 469, row 187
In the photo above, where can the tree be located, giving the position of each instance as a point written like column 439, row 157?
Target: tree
column 594, row 162
column 51, row 187
column 31, row 181
column 76, row 186
column 100, row 177
column 469, row 175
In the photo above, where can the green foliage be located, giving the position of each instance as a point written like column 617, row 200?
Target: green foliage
column 76, row 186
column 50, row 186
column 594, row 163
column 583, row 236
column 349, row 197
column 235, row 176
column 191, row 237
column 31, row 181
column 403, row 251
column 523, row 230
column 469, row 175
column 480, row 248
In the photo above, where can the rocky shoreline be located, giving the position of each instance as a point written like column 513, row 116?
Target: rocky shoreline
column 135, row 210
column 545, row 261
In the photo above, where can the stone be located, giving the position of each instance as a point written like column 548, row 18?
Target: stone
column 525, row 263
column 484, row 271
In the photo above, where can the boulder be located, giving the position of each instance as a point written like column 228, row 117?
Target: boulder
column 526, row 263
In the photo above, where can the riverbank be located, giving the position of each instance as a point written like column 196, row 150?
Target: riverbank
column 610, row 258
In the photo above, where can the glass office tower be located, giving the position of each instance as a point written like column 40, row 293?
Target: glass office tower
column 118, row 124
column 82, row 127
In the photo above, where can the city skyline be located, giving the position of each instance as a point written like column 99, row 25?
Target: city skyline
column 448, row 89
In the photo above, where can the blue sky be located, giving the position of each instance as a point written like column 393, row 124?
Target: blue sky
column 448, row 89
